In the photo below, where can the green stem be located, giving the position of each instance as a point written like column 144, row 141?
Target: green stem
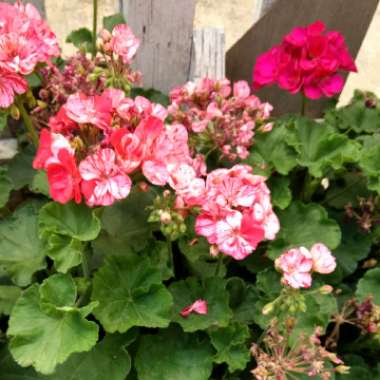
column 309, row 187
column 219, row 265
column 85, row 267
column 94, row 26
column 303, row 105
column 27, row 121
column 170, row 252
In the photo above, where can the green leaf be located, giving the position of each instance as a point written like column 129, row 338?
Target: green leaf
column 34, row 80
column 280, row 192
column 45, row 326
column 152, row 94
column 65, row 251
column 174, row 355
column 130, row 293
column 370, row 163
column 3, row 119
column 109, row 22
column 81, row 38
column 125, row 225
column 108, row 358
column 354, row 247
column 231, row 346
column 213, row 290
column 197, row 254
column 320, row 148
column 6, row 186
column 20, row 169
column 243, row 300
column 8, row 296
column 369, row 285
column 76, row 221
column 293, row 232
column 40, row 184
column 21, row 251
column 274, row 150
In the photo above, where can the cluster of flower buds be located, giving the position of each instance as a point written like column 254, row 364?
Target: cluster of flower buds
column 25, row 41
column 297, row 264
column 275, row 360
column 308, row 60
column 236, row 212
column 118, row 50
column 220, row 120
column 172, row 221
column 366, row 213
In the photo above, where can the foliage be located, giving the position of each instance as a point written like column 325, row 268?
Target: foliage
column 131, row 247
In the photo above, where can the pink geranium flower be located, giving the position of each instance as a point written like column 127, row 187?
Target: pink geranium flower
column 102, row 180
column 323, row 261
column 10, row 85
column 309, row 59
column 198, row 307
column 124, row 43
column 296, row 265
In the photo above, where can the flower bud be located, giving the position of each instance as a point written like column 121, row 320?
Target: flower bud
column 342, row 369
column 325, row 183
column 326, row 289
column 268, row 308
column 105, row 35
column 214, row 250
column 143, row 186
column 15, row 112
column 165, row 217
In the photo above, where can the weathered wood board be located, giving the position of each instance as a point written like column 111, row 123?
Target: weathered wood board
column 350, row 17
column 165, row 28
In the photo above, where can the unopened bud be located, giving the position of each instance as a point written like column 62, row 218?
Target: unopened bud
column 342, row 369
column 370, row 263
column 214, row 250
column 143, row 186
column 41, row 105
column 105, row 35
column 165, row 217
column 325, row 183
column 166, row 193
column 268, row 308
column 326, row 289
column 15, row 112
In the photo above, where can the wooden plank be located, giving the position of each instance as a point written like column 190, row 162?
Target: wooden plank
column 263, row 7
column 165, row 28
column 208, row 54
column 350, row 17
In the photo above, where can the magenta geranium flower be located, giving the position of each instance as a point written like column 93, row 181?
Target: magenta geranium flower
column 309, row 59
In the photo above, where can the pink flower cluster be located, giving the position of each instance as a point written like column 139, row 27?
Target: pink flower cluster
column 236, row 211
column 308, row 60
column 297, row 264
column 25, row 41
column 219, row 119
column 95, row 142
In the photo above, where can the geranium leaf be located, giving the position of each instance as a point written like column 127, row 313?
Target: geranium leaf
column 21, row 251
column 20, row 169
column 213, row 290
column 369, row 285
column 45, row 327
column 81, row 38
column 6, row 186
column 107, row 357
column 174, row 355
column 231, row 347
column 243, row 299
column 8, row 296
column 274, row 150
column 304, row 225
column 40, row 184
column 280, row 193
column 370, row 163
column 320, row 148
column 125, row 225
column 65, row 251
column 76, row 221
column 109, row 22
column 130, row 293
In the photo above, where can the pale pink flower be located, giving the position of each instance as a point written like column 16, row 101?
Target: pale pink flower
column 241, row 89
column 198, row 307
column 238, row 235
column 296, row 265
column 94, row 110
column 10, row 85
column 124, row 43
column 103, row 181
column 323, row 261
